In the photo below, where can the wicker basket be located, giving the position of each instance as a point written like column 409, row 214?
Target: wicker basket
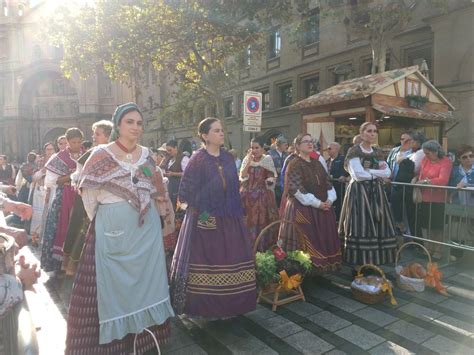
column 273, row 293
column 372, row 298
column 409, row 283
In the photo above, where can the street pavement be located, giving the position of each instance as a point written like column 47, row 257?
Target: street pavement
column 331, row 321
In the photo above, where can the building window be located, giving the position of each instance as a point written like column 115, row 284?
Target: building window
column 415, row 56
column 275, row 44
column 265, row 99
column 286, row 94
column 340, row 73
column 311, row 34
column 413, row 87
column 311, row 86
column 367, row 65
column 240, row 108
column 228, row 107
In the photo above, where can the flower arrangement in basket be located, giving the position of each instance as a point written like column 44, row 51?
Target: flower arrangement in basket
column 372, row 289
column 414, row 277
column 279, row 269
column 280, row 273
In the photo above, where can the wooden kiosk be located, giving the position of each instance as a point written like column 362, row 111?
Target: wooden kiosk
column 397, row 100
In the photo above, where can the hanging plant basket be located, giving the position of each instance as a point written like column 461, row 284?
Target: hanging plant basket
column 416, row 101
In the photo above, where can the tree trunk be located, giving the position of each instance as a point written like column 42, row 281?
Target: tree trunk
column 220, row 115
column 382, row 57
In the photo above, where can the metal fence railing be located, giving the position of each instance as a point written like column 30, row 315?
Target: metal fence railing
column 442, row 216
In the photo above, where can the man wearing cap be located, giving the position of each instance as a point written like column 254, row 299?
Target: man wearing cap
column 279, row 154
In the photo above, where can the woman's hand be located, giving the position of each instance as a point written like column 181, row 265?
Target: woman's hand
column 461, row 185
column 63, row 180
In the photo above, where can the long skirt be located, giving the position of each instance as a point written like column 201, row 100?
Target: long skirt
column 315, row 232
column 48, row 263
column 38, row 195
column 260, row 210
column 366, row 224
column 76, row 234
column 213, row 269
column 67, row 202
column 102, row 289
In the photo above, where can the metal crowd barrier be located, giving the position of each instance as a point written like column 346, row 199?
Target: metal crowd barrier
column 458, row 214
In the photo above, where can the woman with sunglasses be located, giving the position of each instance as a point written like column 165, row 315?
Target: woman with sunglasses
column 310, row 196
column 462, row 175
column 366, row 222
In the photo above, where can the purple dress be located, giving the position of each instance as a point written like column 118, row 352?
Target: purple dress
column 213, row 268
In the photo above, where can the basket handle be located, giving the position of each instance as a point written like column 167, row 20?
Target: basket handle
column 393, row 301
column 373, row 267
column 281, row 221
column 397, row 257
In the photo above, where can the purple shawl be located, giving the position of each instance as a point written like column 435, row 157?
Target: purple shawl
column 202, row 185
column 61, row 163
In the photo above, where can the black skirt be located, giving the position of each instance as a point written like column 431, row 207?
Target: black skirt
column 366, row 225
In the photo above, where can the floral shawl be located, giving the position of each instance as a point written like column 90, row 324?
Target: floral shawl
column 61, row 163
column 137, row 186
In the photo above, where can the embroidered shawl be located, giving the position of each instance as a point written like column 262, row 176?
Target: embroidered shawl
column 308, row 177
column 61, row 163
column 266, row 162
column 103, row 172
column 208, row 188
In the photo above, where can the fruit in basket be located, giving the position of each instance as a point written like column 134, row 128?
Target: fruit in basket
column 414, row 270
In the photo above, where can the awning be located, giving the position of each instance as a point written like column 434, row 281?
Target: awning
column 414, row 113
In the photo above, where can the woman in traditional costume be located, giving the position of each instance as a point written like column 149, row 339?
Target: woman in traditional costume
column 166, row 211
column 310, row 196
column 58, row 174
column 38, row 194
column 213, row 269
column 79, row 222
column 173, row 168
column 120, row 301
column 366, row 223
column 257, row 176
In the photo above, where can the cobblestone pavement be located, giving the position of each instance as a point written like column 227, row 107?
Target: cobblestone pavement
column 330, row 322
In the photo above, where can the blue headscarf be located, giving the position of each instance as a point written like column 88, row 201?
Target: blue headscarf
column 120, row 111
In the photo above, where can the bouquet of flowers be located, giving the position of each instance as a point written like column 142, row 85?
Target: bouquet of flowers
column 285, row 269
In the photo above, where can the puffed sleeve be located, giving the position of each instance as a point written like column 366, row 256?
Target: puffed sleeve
column 357, row 171
column 189, row 180
column 89, row 198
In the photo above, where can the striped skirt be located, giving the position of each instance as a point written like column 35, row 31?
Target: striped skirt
column 83, row 318
column 366, row 224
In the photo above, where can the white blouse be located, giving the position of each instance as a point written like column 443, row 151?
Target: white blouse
column 358, row 173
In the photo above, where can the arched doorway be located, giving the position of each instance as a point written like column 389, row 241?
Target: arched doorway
column 47, row 99
column 53, row 134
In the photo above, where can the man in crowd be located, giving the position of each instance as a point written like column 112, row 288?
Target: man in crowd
column 399, row 153
column 279, row 154
column 337, row 173
column 7, row 171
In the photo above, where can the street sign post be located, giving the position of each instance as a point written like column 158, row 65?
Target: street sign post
column 252, row 111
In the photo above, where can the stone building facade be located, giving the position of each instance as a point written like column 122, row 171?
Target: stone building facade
column 37, row 103
column 289, row 71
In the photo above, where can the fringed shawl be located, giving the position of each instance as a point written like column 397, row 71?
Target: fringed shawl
column 368, row 160
column 265, row 162
column 103, row 172
column 307, row 177
column 61, row 163
column 208, row 188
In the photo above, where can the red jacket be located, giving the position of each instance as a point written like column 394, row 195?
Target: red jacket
column 438, row 173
